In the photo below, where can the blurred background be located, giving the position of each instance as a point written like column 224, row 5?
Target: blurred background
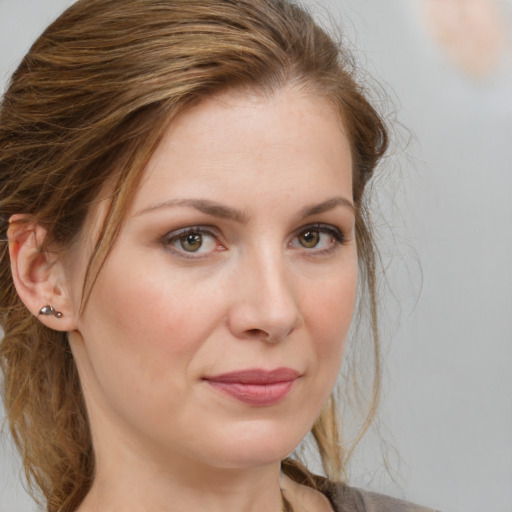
column 445, row 195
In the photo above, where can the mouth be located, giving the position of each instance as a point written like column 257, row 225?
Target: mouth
column 255, row 386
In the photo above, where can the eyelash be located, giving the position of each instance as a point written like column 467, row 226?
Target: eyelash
column 337, row 235
column 174, row 237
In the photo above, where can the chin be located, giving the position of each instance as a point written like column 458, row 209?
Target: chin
column 257, row 444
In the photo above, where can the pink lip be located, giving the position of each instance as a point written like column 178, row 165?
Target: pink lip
column 255, row 386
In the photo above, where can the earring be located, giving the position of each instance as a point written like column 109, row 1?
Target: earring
column 50, row 310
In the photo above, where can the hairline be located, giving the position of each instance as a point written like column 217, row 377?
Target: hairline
column 307, row 85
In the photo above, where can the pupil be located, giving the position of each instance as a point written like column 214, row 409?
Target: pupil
column 192, row 242
column 310, row 239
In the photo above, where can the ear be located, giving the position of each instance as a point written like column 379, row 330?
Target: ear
column 38, row 274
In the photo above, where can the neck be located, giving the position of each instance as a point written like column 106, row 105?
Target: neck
column 129, row 483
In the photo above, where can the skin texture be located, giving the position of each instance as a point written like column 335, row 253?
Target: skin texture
column 267, row 288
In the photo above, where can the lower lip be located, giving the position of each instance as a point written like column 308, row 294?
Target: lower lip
column 255, row 394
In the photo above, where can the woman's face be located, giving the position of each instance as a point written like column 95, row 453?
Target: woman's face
column 215, row 331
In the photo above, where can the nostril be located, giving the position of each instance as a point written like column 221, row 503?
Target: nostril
column 262, row 334
column 256, row 333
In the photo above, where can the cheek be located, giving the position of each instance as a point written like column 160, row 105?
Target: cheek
column 148, row 308
column 139, row 335
column 328, row 312
column 136, row 329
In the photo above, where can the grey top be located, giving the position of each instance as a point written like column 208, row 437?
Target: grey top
column 349, row 499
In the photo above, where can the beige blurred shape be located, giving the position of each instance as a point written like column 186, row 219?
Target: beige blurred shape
column 472, row 32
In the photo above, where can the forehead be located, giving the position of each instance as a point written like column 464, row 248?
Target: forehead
column 266, row 142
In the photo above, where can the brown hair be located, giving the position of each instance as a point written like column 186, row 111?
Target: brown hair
column 89, row 104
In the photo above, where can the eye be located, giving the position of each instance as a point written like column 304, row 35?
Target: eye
column 321, row 238
column 309, row 239
column 192, row 241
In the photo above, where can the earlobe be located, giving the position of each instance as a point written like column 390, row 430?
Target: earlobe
column 38, row 274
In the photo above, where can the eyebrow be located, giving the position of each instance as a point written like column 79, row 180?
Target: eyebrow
column 325, row 206
column 203, row 205
column 225, row 212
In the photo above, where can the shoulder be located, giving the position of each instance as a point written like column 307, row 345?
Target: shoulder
column 351, row 499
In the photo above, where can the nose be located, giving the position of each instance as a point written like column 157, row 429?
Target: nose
column 265, row 304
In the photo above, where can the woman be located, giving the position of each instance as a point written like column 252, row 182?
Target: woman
column 182, row 193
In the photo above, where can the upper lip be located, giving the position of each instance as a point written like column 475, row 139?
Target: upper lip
column 256, row 376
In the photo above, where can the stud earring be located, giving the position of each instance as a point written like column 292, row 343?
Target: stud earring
column 50, row 310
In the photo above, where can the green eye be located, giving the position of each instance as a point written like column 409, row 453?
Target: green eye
column 309, row 239
column 191, row 242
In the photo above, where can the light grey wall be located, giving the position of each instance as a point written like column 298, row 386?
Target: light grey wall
column 448, row 380
column 448, row 403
